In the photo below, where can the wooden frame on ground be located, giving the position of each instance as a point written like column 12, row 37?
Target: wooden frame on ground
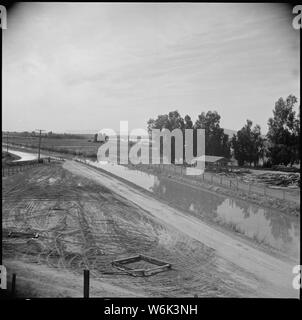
column 160, row 266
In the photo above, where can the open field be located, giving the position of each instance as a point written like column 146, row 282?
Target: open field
column 85, row 221
column 77, row 146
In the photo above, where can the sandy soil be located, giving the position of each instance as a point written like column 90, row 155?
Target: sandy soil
column 271, row 276
column 82, row 224
column 86, row 219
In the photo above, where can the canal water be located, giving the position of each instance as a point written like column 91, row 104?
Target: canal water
column 266, row 226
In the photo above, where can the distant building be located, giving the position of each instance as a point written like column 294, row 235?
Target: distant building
column 210, row 162
column 100, row 137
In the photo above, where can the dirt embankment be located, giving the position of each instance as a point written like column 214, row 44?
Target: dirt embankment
column 86, row 219
column 82, row 224
column 286, row 206
column 270, row 275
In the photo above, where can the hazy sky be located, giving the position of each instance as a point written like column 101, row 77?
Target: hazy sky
column 86, row 66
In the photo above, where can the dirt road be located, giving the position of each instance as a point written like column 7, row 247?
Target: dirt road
column 264, row 274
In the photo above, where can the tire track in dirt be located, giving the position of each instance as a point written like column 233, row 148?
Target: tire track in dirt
column 115, row 226
column 83, row 224
column 270, row 275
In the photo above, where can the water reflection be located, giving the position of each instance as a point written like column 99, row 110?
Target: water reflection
column 263, row 225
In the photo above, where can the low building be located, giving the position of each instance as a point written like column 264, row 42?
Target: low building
column 211, row 162
column 100, row 137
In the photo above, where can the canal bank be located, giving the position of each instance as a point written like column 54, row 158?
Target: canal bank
column 251, row 219
column 267, row 227
column 266, row 271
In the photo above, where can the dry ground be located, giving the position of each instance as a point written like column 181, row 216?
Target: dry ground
column 241, row 260
column 82, row 224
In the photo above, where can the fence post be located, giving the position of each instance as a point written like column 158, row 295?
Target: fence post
column 14, row 285
column 249, row 188
column 86, row 283
column 220, row 179
column 283, row 194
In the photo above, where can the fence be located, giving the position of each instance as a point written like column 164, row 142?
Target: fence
column 221, row 180
column 228, row 182
column 12, row 291
column 20, row 166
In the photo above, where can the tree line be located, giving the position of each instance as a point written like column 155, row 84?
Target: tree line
column 50, row 134
column 280, row 146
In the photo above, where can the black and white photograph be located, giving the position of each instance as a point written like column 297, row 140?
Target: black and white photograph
column 150, row 150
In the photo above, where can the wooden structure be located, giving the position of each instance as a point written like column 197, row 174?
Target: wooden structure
column 211, row 162
column 159, row 266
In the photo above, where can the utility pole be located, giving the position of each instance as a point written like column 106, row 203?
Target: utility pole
column 39, row 151
column 7, row 142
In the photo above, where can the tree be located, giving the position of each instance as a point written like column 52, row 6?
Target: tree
column 175, row 121
column 171, row 121
column 216, row 141
column 188, row 124
column 284, row 133
column 297, row 137
column 248, row 144
column 150, row 125
column 258, row 145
